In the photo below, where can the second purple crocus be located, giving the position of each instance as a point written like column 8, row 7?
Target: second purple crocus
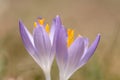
column 72, row 54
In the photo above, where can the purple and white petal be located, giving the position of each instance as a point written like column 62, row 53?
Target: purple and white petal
column 52, row 30
column 58, row 21
column 42, row 44
column 53, row 35
column 61, row 49
column 91, row 50
column 26, row 38
column 55, row 25
column 86, row 43
column 28, row 42
column 75, row 52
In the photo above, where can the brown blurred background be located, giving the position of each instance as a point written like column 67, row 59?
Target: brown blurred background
column 86, row 17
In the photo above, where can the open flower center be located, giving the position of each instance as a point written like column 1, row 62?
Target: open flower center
column 41, row 22
column 70, row 38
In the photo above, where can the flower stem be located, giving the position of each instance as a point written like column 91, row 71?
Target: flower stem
column 47, row 75
column 63, row 78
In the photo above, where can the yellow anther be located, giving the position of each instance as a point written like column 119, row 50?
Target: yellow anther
column 47, row 28
column 35, row 24
column 70, row 38
column 41, row 21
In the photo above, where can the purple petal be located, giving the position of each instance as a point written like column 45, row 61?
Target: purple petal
column 91, row 49
column 42, row 43
column 86, row 44
column 26, row 38
column 52, row 31
column 61, row 49
column 58, row 20
column 75, row 51
column 53, row 35
column 55, row 25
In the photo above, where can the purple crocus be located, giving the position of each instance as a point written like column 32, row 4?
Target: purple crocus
column 72, row 55
column 42, row 44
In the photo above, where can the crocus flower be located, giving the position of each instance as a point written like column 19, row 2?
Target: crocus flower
column 72, row 55
column 42, row 44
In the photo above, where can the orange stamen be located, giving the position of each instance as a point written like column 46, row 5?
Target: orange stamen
column 70, row 39
column 47, row 28
column 41, row 21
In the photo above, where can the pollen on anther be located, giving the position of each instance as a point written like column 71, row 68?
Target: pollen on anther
column 41, row 21
column 47, row 28
column 70, row 38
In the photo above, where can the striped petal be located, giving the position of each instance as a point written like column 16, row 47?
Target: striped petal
column 90, row 50
column 53, row 35
column 55, row 25
column 61, row 49
column 75, row 53
column 52, row 31
column 42, row 44
column 26, row 38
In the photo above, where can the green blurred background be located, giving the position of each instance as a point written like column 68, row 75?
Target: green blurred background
column 86, row 17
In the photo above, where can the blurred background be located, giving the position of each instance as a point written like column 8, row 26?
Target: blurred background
column 86, row 17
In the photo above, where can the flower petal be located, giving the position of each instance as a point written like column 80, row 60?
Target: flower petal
column 26, row 38
column 75, row 51
column 91, row 49
column 42, row 43
column 53, row 35
column 86, row 44
column 55, row 25
column 52, row 31
column 61, row 49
